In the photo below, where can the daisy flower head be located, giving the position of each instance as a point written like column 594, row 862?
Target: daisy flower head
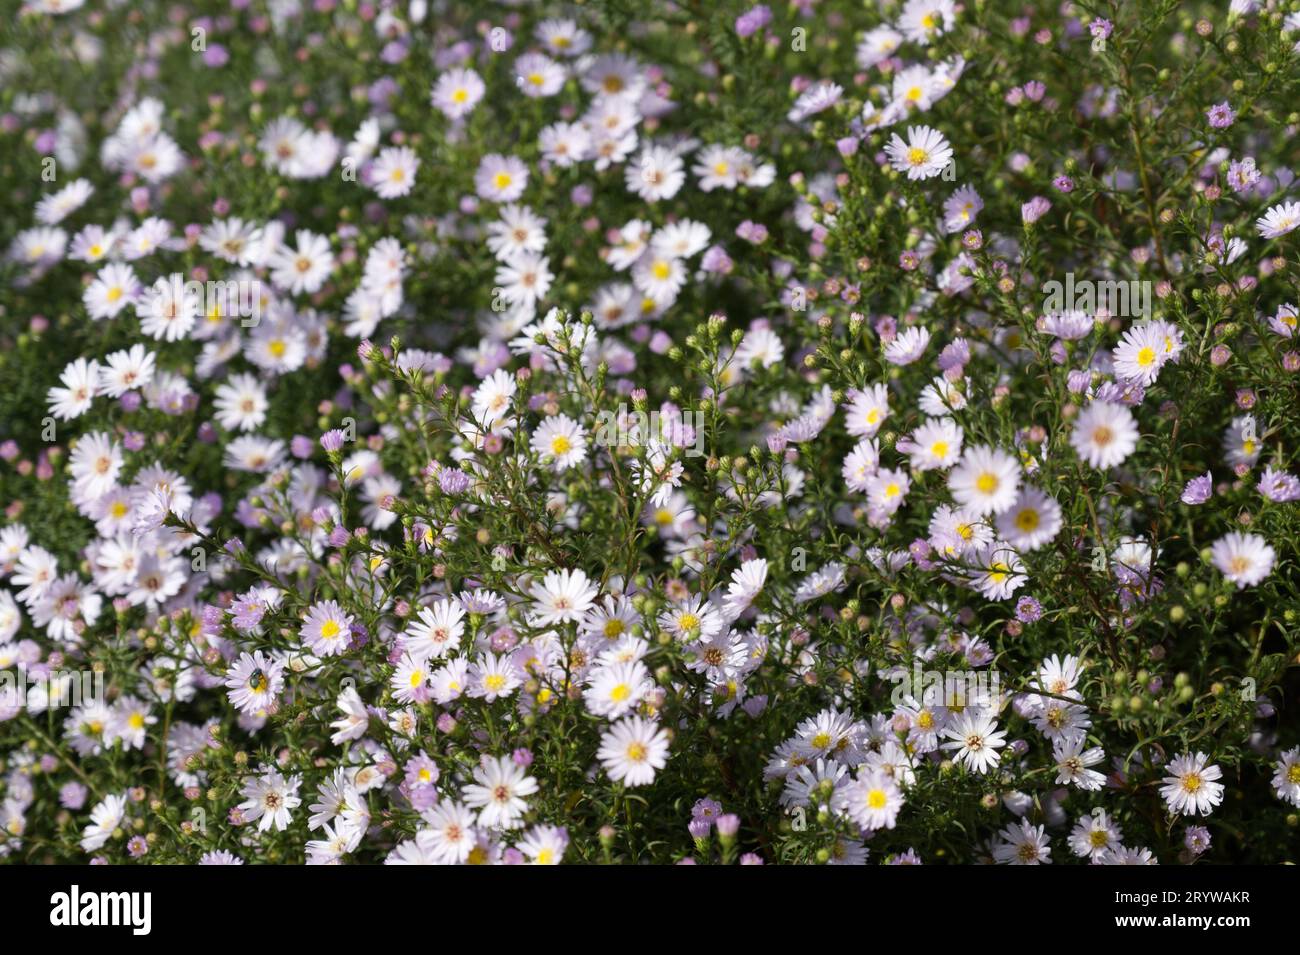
column 254, row 682
column 924, row 155
column 457, row 92
column 907, row 346
column 501, row 178
column 538, row 76
column 241, row 402
column 633, row 750
column 114, row 288
column 824, row 580
column 1191, row 788
column 1286, row 777
column 1032, row 521
column 1125, row 855
column 1141, row 353
column 872, row 801
column 975, row 738
column 867, row 411
column 561, row 442
column 498, row 791
column 410, row 680
column 996, row 570
column 876, row 45
column 1241, row 441
column 1093, row 835
column 1104, row 434
column 53, row 209
column 961, row 209
column 105, row 819
column 562, row 596
column 1278, row 220
column 492, row 400
column 95, row 464
column 986, row 480
column 563, row 37
column 747, row 582
column 1244, row 559
column 80, row 383
column 544, row 845
column 303, row 270
column 1221, row 115
column 861, row 464
column 936, row 445
column 493, row 677
column 692, row 619
column 1023, row 844
column 327, row 629
column 1286, row 323
column 955, row 531
column 887, row 490
column 615, row 690
column 657, row 173
column 923, row 20
column 270, row 798
column 436, row 631
column 392, row 175
column 816, row 99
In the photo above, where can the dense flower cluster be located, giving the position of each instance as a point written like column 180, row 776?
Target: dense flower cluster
column 448, row 432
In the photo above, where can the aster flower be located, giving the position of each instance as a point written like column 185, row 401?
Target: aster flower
column 498, row 792
column 633, row 750
column 1286, row 777
column 1244, row 559
column 1198, row 489
column 1104, row 434
column 923, row 156
column 1191, row 787
column 564, row 595
column 985, row 481
column 269, row 800
column 1278, row 220
column 975, row 738
column 1023, row 844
